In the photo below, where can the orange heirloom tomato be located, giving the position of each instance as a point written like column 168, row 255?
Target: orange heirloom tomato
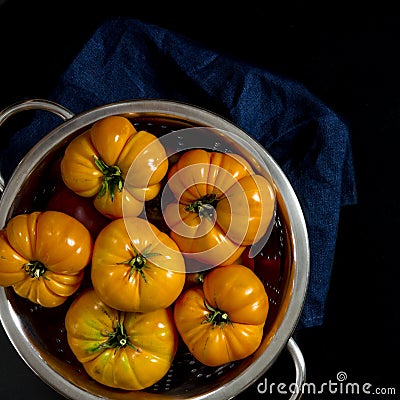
column 97, row 164
column 128, row 351
column 223, row 206
column 223, row 320
column 43, row 255
column 136, row 267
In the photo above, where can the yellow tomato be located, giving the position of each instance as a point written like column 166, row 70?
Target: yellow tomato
column 42, row 256
column 98, row 162
column 223, row 320
column 221, row 206
column 136, row 267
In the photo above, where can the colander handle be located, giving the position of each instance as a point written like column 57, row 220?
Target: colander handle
column 300, row 366
column 32, row 104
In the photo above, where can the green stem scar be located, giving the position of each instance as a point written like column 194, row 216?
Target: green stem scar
column 35, row 269
column 204, row 206
column 112, row 178
column 216, row 316
column 139, row 261
column 118, row 339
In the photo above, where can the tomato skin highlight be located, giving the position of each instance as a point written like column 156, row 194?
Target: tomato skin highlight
column 223, row 320
column 43, row 255
column 139, row 355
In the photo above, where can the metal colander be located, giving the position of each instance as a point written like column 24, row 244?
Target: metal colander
column 38, row 334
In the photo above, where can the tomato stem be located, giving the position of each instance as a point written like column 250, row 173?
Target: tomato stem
column 35, row 269
column 112, row 178
column 216, row 316
column 118, row 338
column 138, row 261
column 204, row 206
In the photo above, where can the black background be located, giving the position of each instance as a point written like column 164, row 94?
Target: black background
column 353, row 65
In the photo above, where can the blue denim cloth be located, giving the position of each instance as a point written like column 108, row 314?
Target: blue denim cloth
column 128, row 59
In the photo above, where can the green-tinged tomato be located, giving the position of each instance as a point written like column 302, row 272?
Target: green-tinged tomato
column 122, row 350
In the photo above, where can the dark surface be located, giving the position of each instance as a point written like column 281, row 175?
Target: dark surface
column 353, row 66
